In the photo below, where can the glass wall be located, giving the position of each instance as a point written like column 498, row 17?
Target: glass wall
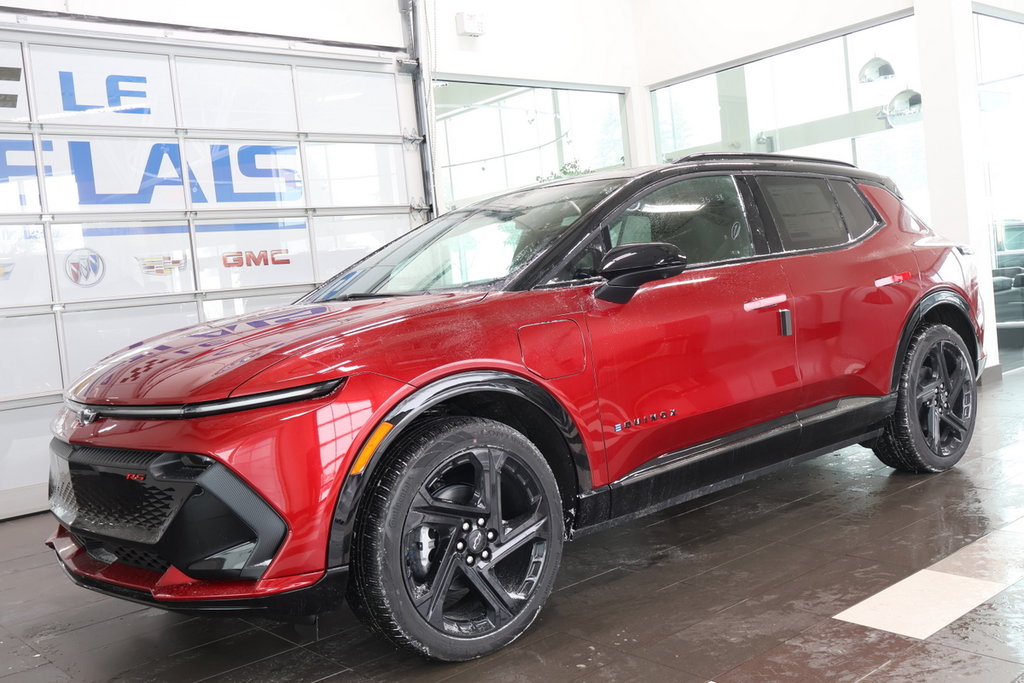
column 852, row 98
column 142, row 191
column 1001, row 97
column 147, row 186
column 493, row 137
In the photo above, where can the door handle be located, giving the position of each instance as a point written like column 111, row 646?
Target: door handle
column 893, row 279
column 766, row 302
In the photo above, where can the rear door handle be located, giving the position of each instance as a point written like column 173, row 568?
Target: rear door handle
column 766, row 302
column 893, row 279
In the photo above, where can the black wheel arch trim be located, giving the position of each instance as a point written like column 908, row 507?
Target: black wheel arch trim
column 926, row 304
column 405, row 413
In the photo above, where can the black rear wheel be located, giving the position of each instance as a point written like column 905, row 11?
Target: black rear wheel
column 935, row 410
column 458, row 545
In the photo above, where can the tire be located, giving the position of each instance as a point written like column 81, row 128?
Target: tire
column 935, row 407
column 458, row 540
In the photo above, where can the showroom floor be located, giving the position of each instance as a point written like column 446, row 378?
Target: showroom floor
column 741, row 586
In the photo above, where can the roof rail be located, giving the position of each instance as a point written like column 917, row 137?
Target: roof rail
column 739, row 156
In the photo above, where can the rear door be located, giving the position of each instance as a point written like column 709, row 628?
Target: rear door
column 848, row 298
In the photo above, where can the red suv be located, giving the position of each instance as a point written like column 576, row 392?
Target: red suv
column 421, row 433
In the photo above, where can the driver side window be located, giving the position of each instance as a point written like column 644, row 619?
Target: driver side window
column 702, row 216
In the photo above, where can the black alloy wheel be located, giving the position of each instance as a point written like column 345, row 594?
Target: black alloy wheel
column 936, row 404
column 459, row 546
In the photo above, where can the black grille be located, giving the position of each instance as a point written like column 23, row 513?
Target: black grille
column 96, row 493
column 111, row 500
column 109, row 553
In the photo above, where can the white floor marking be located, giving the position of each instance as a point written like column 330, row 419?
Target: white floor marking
column 922, row 603
column 933, row 598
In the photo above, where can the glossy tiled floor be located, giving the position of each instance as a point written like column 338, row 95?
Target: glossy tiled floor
column 742, row 586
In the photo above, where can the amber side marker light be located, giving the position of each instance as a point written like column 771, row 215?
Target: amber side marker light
column 363, row 459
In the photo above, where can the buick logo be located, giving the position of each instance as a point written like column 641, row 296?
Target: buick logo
column 87, row 416
column 84, row 267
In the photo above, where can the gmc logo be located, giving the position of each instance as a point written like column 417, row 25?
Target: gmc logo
column 274, row 257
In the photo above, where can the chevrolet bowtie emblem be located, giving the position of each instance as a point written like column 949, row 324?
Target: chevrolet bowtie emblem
column 87, row 416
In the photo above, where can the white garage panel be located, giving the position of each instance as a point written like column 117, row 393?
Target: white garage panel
column 146, row 186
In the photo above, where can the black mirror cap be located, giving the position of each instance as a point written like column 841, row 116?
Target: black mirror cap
column 628, row 266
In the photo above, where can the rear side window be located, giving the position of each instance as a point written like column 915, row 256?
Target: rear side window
column 805, row 212
column 859, row 218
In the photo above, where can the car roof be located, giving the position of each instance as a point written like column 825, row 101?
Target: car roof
column 739, row 161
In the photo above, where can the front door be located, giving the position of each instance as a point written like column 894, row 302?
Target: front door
column 700, row 355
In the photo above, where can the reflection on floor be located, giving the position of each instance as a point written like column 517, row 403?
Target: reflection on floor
column 741, row 586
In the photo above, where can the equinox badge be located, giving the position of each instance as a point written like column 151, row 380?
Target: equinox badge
column 645, row 419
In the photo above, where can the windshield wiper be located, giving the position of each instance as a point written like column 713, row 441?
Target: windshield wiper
column 350, row 296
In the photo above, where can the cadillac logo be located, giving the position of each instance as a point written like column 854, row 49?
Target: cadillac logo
column 6, row 268
column 161, row 265
column 84, row 267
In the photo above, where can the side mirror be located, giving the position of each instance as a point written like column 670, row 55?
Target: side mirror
column 631, row 265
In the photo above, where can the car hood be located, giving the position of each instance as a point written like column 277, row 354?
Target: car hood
column 219, row 359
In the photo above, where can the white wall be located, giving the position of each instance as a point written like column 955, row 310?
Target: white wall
column 376, row 22
column 571, row 41
column 681, row 38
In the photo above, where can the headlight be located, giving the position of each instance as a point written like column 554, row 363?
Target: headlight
column 87, row 412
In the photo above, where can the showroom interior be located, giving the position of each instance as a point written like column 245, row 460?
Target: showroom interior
column 279, row 144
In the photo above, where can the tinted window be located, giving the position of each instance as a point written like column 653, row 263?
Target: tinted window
column 859, row 218
column 805, row 212
column 702, row 216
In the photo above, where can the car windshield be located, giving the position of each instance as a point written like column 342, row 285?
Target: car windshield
column 474, row 248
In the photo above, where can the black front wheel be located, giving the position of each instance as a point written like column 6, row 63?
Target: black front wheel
column 458, row 545
column 936, row 404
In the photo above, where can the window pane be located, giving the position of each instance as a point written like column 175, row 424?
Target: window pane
column 13, row 101
column 830, row 99
column 24, row 275
column 496, row 137
column 688, row 115
column 245, row 175
column 111, row 260
column 805, row 212
column 239, row 95
column 351, row 102
column 101, row 87
column 856, row 214
column 215, row 309
column 19, row 188
column 704, row 217
column 97, row 334
column 114, row 174
column 28, row 355
column 354, row 174
column 343, row 240
column 253, row 254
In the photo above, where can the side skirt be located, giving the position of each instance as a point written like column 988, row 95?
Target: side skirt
column 679, row 476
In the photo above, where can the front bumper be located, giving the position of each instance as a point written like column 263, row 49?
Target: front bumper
column 176, row 530
column 316, row 594
column 157, row 510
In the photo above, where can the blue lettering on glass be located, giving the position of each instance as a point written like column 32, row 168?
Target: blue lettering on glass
column 80, row 155
column 115, row 93
column 80, row 152
column 67, row 93
column 151, row 176
column 8, row 170
column 69, row 100
column 223, row 180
